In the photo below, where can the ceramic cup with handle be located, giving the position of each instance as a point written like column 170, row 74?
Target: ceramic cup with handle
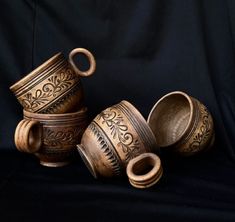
column 114, row 137
column 181, row 124
column 55, row 86
column 51, row 137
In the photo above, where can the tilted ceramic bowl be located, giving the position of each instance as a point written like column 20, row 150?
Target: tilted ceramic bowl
column 181, row 124
column 113, row 138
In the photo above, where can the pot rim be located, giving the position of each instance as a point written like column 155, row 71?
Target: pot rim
column 80, row 114
column 189, row 99
column 37, row 71
column 87, row 161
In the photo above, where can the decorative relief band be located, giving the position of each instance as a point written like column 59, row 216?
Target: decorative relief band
column 40, row 77
column 144, row 135
column 194, row 124
column 57, row 103
column 61, row 138
column 204, row 132
column 107, row 148
column 114, row 120
column 54, row 85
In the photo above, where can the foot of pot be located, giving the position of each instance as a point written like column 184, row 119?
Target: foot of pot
column 54, row 164
column 87, row 160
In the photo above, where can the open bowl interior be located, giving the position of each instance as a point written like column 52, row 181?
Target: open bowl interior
column 170, row 117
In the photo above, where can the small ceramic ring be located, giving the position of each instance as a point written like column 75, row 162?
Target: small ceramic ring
column 144, row 170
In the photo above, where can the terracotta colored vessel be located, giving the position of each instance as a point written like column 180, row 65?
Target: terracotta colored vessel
column 113, row 138
column 144, row 170
column 51, row 137
column 55, row 86
column 182, row 124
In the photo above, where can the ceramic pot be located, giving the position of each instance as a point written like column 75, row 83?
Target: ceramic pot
column 51, row 137
column 113, row 138
column 55, row 86
column 181, row 124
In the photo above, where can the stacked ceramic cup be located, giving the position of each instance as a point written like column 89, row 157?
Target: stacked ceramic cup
column 54, row 114
column 119, row 140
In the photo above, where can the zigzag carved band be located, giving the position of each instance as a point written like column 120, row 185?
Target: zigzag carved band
column 107, row 148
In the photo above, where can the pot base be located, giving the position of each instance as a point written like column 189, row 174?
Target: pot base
column 54, row 164
column 86, row 160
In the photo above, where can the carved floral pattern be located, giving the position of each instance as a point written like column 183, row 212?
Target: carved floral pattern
column 204, row 132
column 54, row 85
column 119, row 130
column 58, row 138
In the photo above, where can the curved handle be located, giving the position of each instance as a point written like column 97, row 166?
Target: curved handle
column 90, row 58
column 144, row 170
column 28, row 136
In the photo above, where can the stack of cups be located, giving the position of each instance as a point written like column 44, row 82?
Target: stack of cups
column 118, row 140
column 55, row 115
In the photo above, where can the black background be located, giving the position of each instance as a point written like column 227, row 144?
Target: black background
column 144, row 49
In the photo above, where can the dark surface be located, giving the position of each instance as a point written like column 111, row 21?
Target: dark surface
column 144, row 49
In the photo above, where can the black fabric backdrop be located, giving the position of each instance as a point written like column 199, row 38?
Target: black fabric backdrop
column 143, row 49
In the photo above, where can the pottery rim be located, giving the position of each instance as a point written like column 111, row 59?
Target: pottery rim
column 190, row 116
column 58, row 117
column 37, row 71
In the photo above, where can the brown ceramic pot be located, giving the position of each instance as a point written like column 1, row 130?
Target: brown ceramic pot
column 55, row 86
column 181, row 124
column 144, row 170
column 51, row 137
column 113, row 138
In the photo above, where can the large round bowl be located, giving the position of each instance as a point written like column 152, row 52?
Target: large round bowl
column 113, row 138
column 181, row 124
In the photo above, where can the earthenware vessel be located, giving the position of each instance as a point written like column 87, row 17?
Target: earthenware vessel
column 181, row 124
column 51, row 137
column 55, row 86
column 144, row 170
column 113, row 138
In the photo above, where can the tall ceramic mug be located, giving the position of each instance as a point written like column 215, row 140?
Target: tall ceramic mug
column 114, row 137
column 55, row 86
column 51, row 137
column 181, row 124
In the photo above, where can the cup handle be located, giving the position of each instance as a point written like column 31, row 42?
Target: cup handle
column 28, row 136
column 144, row 170
column 90, row 57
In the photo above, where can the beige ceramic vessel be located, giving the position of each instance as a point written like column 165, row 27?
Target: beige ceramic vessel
column 55, row 86
column 181, row 124
column 51, row 137
column 113, row 138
